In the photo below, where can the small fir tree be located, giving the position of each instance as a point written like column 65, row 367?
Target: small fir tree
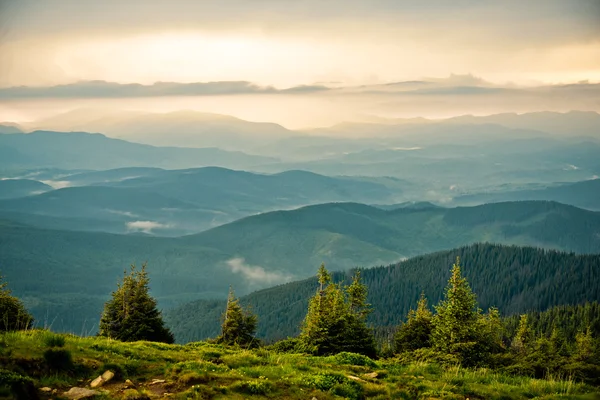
column 239, row 325
column 523, row 339
column 415, row 333
column 335, row 320
column 132, row 314
column 457, row 314
column 13, row 314
column 457, row 322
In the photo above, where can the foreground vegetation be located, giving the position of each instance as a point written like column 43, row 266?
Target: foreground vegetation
column 35, row 359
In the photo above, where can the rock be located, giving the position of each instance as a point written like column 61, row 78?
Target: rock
column 129, row 384
column 46, row 390
column 354, row 378
column 371, row 375
column 77, row 393
column 314, row 398
column 97, row 382
column 108, row 375
column 102, row 379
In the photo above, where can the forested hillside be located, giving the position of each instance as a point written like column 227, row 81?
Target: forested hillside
column 514, row 279
column 569, row 319
column 65, row 276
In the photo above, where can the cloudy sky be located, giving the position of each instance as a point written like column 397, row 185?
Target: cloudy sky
column 263, row 47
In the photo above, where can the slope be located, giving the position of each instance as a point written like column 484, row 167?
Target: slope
column 585, row 194
column 69, row 274
column 81, row 150
column 514, row 279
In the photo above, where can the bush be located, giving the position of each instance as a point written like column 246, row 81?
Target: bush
column 289, row 345
column 58, row 359
column 133, row 394
column 53, row 340
column 324, row 381
column 347, row 358
column 21, row 387
column 259, row 387
column 193, row 378
column 13, row 314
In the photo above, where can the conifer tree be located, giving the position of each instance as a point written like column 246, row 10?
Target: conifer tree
column 558, row 341
column 335, row 320
column 586, row 349
column 132, row 314
column 455, row 326
column 523, row 339
column 359, row 337
column 415, row 333
column 492, row 331
column 239, row 325
column 357, row 296
column 13, row 315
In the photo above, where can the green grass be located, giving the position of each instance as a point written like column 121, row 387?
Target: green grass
column 207, row 371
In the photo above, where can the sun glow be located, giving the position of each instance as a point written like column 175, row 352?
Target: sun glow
column 187, row 57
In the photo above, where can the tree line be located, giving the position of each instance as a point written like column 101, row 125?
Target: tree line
column 456, row 330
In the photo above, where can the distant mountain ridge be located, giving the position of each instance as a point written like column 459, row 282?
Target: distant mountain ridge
column 585, row 194
column 178, row 202
column 82, row 150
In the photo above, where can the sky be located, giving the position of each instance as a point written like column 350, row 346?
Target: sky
column 306, row 52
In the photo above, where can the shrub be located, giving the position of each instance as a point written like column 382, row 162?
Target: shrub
column 133, row 394
column 193, row 378
column 243, row 359
column 347, row 358
column 324, row 381
column 21, row 387
column 58, row 359
column 53, row 340
column 289, row 345
column 259, row 387
column 13, row 314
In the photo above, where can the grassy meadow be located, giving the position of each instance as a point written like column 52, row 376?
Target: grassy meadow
column 36, row 359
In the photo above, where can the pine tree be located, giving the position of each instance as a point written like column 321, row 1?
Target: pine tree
column 335, row 320
column 357, row 296
column 492, row 331
column 13, row 314
column 359, row 337
column 523, row 339
column 415, row 333
column 239, row 325
column 585, row 348
column 455, row 326
column 132, row 314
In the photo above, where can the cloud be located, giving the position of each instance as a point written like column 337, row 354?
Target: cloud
column 103, row 89
column 57, row 184
column 145, row 226
column 455, row 85
column 287, row 42
column 256, row 274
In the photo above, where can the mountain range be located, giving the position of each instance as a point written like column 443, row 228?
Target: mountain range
column 178, row 202
column 68, row 274
column 81, row 150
